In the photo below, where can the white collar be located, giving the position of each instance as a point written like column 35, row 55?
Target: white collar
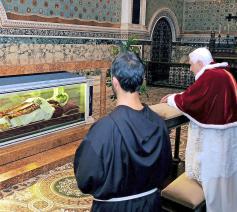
column 210, row 66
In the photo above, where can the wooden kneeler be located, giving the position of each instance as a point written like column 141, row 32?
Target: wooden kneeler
column 182, row 195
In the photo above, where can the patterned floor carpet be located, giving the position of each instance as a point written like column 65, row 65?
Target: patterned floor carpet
column 53, row 191
column 56, row 190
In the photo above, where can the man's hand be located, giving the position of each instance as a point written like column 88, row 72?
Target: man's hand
column 165, row 98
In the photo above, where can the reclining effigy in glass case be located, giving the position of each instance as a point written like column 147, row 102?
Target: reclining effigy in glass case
column 36, row 104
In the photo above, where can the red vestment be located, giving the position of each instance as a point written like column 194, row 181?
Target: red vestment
column 211, row 99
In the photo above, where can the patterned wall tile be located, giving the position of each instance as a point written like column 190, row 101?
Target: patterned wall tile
column 202, row 16
column 34, row 33
column 99, row 10
column 175, row 5
column 206, row 16
column 54, row 40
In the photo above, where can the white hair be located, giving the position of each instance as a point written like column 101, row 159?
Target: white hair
column 201, row 54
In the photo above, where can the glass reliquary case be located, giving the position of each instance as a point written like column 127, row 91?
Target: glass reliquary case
column 32, row 105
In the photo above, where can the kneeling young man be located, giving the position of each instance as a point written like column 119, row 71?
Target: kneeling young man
column 126, row 156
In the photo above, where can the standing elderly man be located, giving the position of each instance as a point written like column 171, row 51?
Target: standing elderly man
column 126, row 156
column 211, row 153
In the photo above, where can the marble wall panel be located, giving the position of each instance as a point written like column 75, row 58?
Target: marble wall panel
column 180, row 54
column 22, row 54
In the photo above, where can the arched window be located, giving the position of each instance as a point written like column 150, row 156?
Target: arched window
column 161, row 49
column 161, row 41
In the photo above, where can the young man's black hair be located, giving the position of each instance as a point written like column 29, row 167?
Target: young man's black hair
column 129, row 71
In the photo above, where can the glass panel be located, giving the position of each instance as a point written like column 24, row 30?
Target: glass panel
column 33, row 111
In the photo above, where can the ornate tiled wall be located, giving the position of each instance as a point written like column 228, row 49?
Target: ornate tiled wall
column 180, row 77
column 197, row 18
column 200, row 18
column 175, row 5
column 99, row 10
column 35, row 50
column 24, row 42
column 24, row 39
column 204, row 16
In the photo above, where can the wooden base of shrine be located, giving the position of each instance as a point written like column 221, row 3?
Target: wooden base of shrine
column 30, row 158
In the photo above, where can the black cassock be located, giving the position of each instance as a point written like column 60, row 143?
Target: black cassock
column 125, row 153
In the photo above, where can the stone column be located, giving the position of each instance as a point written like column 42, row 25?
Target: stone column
column 126, row 14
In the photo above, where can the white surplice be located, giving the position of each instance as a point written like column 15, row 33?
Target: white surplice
column 211, row 158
